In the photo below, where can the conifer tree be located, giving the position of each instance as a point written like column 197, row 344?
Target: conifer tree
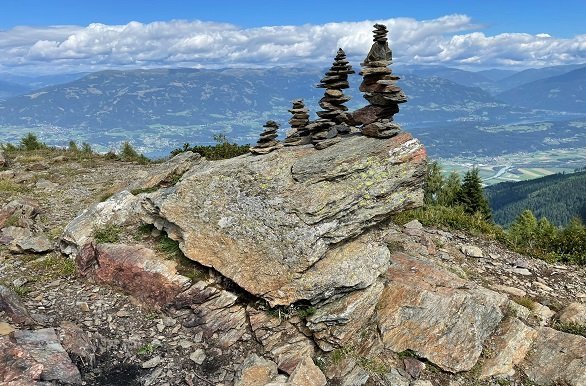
column 433, row 183
column 471, row 196
column 450, row 190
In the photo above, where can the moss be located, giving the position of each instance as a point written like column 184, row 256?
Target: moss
column 109, row 233
column 55, row 266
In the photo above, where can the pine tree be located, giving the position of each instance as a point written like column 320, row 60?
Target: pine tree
column 523, row 231
column 433, row 183
column 450, row 189
column 471, row 196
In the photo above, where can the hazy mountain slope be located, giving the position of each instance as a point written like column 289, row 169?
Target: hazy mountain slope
column 462, row 77
column 565, row 92
column 9, row 89
column 558, row 197
column 189, row 97
column 534, row 74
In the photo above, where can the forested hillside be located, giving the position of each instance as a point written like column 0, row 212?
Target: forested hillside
column 558, row 197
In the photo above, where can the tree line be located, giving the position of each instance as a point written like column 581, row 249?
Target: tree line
column 461, row 204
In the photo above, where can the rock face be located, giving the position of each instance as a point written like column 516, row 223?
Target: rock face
column 379, row 90
column 268, row 139
column 421, row 301
column 294, row 217
column 557, row 357
column 574, row 313
column 136, row 269
column 13, row 307
column 30, row 357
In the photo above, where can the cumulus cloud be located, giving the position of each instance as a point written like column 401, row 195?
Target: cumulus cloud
column 452, row 40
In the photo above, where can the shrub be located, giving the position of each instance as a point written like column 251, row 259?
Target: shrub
column 221, row 150
column 451, row 218
column 31, row 142
column 129, row 154
column 72, row 147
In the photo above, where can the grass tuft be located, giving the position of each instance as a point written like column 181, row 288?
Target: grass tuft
column 109, row 233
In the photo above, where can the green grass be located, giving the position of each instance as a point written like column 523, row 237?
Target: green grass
column 109, row 233
column 525, row 302
column 138, row 191
column 11, row 187
column 185, row 266
column 451, row 218
column 55, row 267
column 571, row 328
column 146, row 349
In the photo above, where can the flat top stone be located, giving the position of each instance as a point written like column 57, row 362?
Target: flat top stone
column 283, row 213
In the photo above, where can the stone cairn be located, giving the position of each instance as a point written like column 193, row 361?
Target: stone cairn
column 267, row 141
column 379, row 90
column 299, row 134
column 333, row 119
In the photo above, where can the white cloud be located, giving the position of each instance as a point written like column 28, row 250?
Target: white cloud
column 450, row 40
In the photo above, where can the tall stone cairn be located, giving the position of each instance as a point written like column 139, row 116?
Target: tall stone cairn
column 268, row 139
column 299, row 134
column 334, row 82
column 333, row 119
column 379, row 89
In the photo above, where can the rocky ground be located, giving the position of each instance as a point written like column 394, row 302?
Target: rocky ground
column 217, row 333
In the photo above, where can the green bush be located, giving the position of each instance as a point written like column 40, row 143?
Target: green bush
column 129, row 154
column 31, row 142
column 451, row 218
column 221, row 150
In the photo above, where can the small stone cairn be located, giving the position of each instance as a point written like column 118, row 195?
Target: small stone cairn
column 379, row 89
column 299, row 134
column 267, row 141
column 333, row 119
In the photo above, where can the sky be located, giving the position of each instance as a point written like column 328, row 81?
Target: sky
column 65, row 36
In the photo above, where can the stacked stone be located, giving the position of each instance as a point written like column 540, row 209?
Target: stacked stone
column 334, row 82
column 267, row 141
column 379, row 89
column 299, row 134
column 333, row 119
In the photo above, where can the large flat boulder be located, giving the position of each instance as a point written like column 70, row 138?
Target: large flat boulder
column 557, row 358
column 436, row 314
column 29, row 357
column 292, row 217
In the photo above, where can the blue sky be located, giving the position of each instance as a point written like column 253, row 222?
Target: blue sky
column 562, row 18
column 59, row 36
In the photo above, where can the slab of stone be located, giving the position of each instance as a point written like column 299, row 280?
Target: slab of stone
column 510, row 345
column 137, row 270
column 48, row 355
column 256, row 371
column 11, row 304
column 509, row 290
column 215, row 314
column 471, row 251
column 288, row 214
column 340, row 322
column 281, row 339
column 574, row 313
column 307, row 374
column 557, row 357
column 436, row 314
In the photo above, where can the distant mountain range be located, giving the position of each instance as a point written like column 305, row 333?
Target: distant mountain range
column 558, row 197
column 164, row 108
column 566, row 92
